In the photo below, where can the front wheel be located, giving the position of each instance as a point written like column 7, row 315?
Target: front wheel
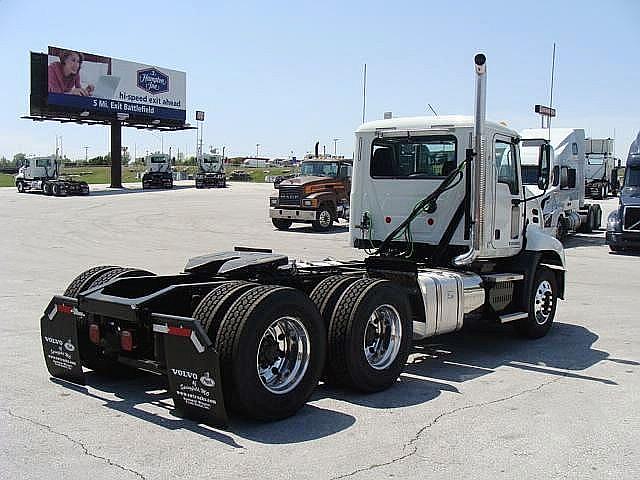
column 543, row 300
column 281, row 223
column 47, row 188
column 324, row 220
column 20, row 186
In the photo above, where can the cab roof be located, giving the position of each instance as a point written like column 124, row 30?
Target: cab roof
column 430, row 122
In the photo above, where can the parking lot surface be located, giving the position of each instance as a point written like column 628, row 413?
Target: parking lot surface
column 482, row 403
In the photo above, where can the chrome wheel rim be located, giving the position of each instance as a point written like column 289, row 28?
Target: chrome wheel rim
column 382, row 337
column 324, row 219
column 283, row 355
column 543, row 302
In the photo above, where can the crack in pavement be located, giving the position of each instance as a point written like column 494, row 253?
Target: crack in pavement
column 78, row 443
column 412, row 443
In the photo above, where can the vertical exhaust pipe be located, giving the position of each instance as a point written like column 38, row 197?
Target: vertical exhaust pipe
column 479, row 181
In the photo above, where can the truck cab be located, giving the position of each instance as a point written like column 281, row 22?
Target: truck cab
column 158, row 173
column 400, row 160
column 40, row 174
column 210, row 171
column 319, row 195
column 563, row 201
column 623, row 224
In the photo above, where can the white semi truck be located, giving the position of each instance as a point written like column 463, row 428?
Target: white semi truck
column 159, row 172
column 439, row 203
column 41, row 174
column 563, row 201
column 600, row 168
column 210, row 171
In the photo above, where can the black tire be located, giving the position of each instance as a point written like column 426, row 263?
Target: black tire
column 212, row 308
column 597, row 217
column 58, row 191
column 281, row 223
column 615, row 248
column 347, row 364
column 47, row 189
column 86, row 278
column 542, row 305
column 327, row 293
column 325, row 217
column 84, row 188
column 20, row 186
column 561, row 230
column 588, row 226
column 237, row 342
column 91, row 354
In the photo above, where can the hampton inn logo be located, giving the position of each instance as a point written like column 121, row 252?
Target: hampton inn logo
column 153, row 81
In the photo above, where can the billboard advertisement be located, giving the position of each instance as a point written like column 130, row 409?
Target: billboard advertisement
column 81, row 81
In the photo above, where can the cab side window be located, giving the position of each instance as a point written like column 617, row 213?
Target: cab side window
column 505, row 158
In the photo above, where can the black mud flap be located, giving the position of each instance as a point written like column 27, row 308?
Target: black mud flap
column 60, row 340
column 193, row 370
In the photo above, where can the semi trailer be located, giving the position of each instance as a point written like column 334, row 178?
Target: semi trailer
column 438, row 204
column 210, row 171
column 600, row 168
column 159, row 172
column 41, row 174
column 563, row 203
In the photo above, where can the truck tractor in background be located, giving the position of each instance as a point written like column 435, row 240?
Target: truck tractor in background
column 623, row 224
column 319, row 195
column 41, row 174
column 438, row 204
column 159, row 172
column 563, row 207
column 601, row 176
column 210, row 171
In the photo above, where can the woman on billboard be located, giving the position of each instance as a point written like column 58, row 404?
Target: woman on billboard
column 64, row 75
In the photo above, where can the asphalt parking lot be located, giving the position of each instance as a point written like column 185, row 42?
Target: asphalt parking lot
column 482, row 403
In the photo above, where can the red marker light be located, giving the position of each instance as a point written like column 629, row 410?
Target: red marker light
column 387, row 219
column 430, row 221
column 94, row 333
column 126, row 341
column 64, row 309
column 179, row 331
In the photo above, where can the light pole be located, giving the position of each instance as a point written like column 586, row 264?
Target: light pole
column 335, row 146
column 257, row 147
column 86, row 154
column 58, row 146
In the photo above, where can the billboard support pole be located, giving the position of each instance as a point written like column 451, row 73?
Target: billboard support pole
column 116, row 154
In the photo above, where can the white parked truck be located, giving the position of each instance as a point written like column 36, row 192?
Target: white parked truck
column 41, row 174
column 159, row 172
column 600, row 169
column 437, row 200
column 563, row 206
column 210, row 171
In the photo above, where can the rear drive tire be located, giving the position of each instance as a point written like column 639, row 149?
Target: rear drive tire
column 542, row 305
column 272, row 345
column 92, row 355
column 281, row 223
column 327, row 293
column 212, row 308
column 369, row 335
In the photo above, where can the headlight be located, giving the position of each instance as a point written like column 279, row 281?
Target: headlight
column 309, row 203
column 613, row 222
column 273, row 201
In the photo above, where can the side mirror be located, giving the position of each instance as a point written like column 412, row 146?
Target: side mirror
column 544, row 166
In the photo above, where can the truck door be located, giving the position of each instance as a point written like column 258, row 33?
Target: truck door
column 508, row 210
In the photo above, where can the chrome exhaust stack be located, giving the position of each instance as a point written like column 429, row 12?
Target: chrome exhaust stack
column 479, row 168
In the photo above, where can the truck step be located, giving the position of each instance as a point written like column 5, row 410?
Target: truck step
column 510, row 317
column 502, row 277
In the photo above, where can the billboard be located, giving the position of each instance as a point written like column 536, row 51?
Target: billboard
column 85, row 83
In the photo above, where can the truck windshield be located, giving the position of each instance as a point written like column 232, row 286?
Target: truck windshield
column 320, row 169
column 43, row 162
column 632, row 177
column 413, row 157
column 530, row 174
column 596, row 160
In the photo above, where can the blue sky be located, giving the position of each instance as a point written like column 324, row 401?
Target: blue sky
column 286, row 74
